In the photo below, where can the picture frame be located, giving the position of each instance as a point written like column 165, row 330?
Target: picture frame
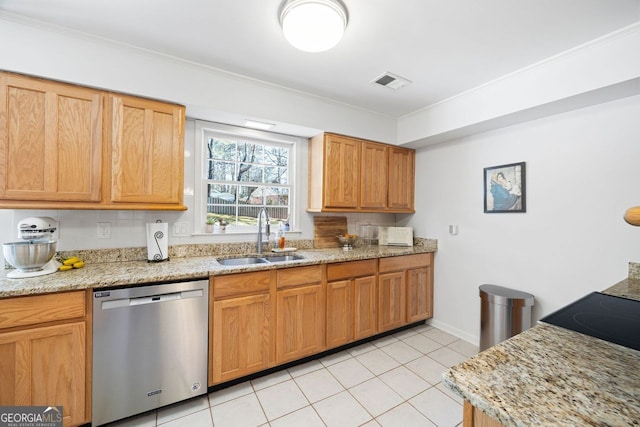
column 505, row 188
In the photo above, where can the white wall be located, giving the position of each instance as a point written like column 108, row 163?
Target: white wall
column 582, row 174
column 208, row 93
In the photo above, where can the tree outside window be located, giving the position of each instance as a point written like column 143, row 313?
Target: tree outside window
column 242, row 176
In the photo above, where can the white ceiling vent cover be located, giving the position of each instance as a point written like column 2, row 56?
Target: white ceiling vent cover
column 390, row 80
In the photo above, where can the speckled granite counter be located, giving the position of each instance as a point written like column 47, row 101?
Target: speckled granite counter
column 628, row 288
column 120, row 273
column 550, row 376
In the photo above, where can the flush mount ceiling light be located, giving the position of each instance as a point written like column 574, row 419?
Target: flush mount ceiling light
column 313, row 25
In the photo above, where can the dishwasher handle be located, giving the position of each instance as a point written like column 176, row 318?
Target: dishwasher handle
column 151, row 299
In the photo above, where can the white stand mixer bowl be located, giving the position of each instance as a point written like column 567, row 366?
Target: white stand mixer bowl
column 30, row 255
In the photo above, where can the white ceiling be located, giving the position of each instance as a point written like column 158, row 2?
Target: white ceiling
column 443, row 46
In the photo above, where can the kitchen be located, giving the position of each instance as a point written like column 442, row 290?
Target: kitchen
column 577, row 130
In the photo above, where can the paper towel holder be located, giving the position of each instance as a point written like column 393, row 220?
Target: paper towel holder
column 156, row 243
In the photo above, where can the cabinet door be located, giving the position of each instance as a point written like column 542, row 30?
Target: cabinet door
column 373, row 176
column 339, row 313
column 391, row 301
column 419, row 294
column 341, row 172
column 45, row 367
column 300, row 322
column 241, row 337
column 147, row 160
column 364, row 307
column 474, row 417
column 401, row 179
column 50, row 141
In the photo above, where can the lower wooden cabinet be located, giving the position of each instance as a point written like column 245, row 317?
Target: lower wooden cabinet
column 263, row 319
column 241, row 328
column 45, row 366
column 474, row 417
column 299, row 313
column 365, row 307
column 339, row 313
column 299, row 323
column 406, row 290
column 241, row 331
column 351, row 301
column 391, row 300
column 419, row 294
column 43, row 357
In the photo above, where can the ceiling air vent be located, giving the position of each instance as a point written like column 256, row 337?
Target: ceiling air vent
column 392, row 81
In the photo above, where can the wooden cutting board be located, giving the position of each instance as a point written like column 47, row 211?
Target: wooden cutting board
column 325, row 230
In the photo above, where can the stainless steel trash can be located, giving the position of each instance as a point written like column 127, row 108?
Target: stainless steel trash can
column 504, row 313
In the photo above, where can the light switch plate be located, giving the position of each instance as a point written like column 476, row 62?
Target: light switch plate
column 180, row 228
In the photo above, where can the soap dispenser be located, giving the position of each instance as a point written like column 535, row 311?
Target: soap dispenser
column 280, row 240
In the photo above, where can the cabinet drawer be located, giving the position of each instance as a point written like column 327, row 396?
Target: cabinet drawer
column 404, row 262
column 239, row 284
column 31, row 310
column 289, row 277
column 351, row 269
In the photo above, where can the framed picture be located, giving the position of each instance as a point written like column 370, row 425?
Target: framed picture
column 504, row 188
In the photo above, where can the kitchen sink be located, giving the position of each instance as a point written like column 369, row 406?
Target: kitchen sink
column 258, row 260
column 283, row 258
column 242, row 261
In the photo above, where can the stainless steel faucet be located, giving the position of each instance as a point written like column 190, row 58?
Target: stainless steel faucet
column 266, row 228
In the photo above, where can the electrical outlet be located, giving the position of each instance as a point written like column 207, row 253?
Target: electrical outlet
column 181, row 229
column 104, row 230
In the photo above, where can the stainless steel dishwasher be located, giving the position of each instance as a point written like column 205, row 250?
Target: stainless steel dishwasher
column 149, row 347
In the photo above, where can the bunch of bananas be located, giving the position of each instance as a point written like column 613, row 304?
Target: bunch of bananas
column 70, row 263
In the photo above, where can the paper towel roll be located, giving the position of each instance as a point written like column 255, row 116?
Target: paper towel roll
column 157, row 241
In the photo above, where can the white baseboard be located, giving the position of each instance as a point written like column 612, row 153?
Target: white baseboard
column 473, row 339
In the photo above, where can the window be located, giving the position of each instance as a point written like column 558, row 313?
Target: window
column 242, row 171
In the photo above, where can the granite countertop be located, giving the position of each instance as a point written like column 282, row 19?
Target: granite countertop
column 548, row 375
column 203, row 265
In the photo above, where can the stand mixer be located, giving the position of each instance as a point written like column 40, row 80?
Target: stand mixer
column 33, row 255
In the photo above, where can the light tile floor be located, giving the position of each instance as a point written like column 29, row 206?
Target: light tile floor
column 392, row 381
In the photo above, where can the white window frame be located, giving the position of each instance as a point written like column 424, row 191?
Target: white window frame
column 202, row 130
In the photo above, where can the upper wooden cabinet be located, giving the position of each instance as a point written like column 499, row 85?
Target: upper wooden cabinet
column 352, row 175
column 336, row 163
column 64, row 146
column 374, row 173
column 401, row 179
column 50, row 141
column 146, row 151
